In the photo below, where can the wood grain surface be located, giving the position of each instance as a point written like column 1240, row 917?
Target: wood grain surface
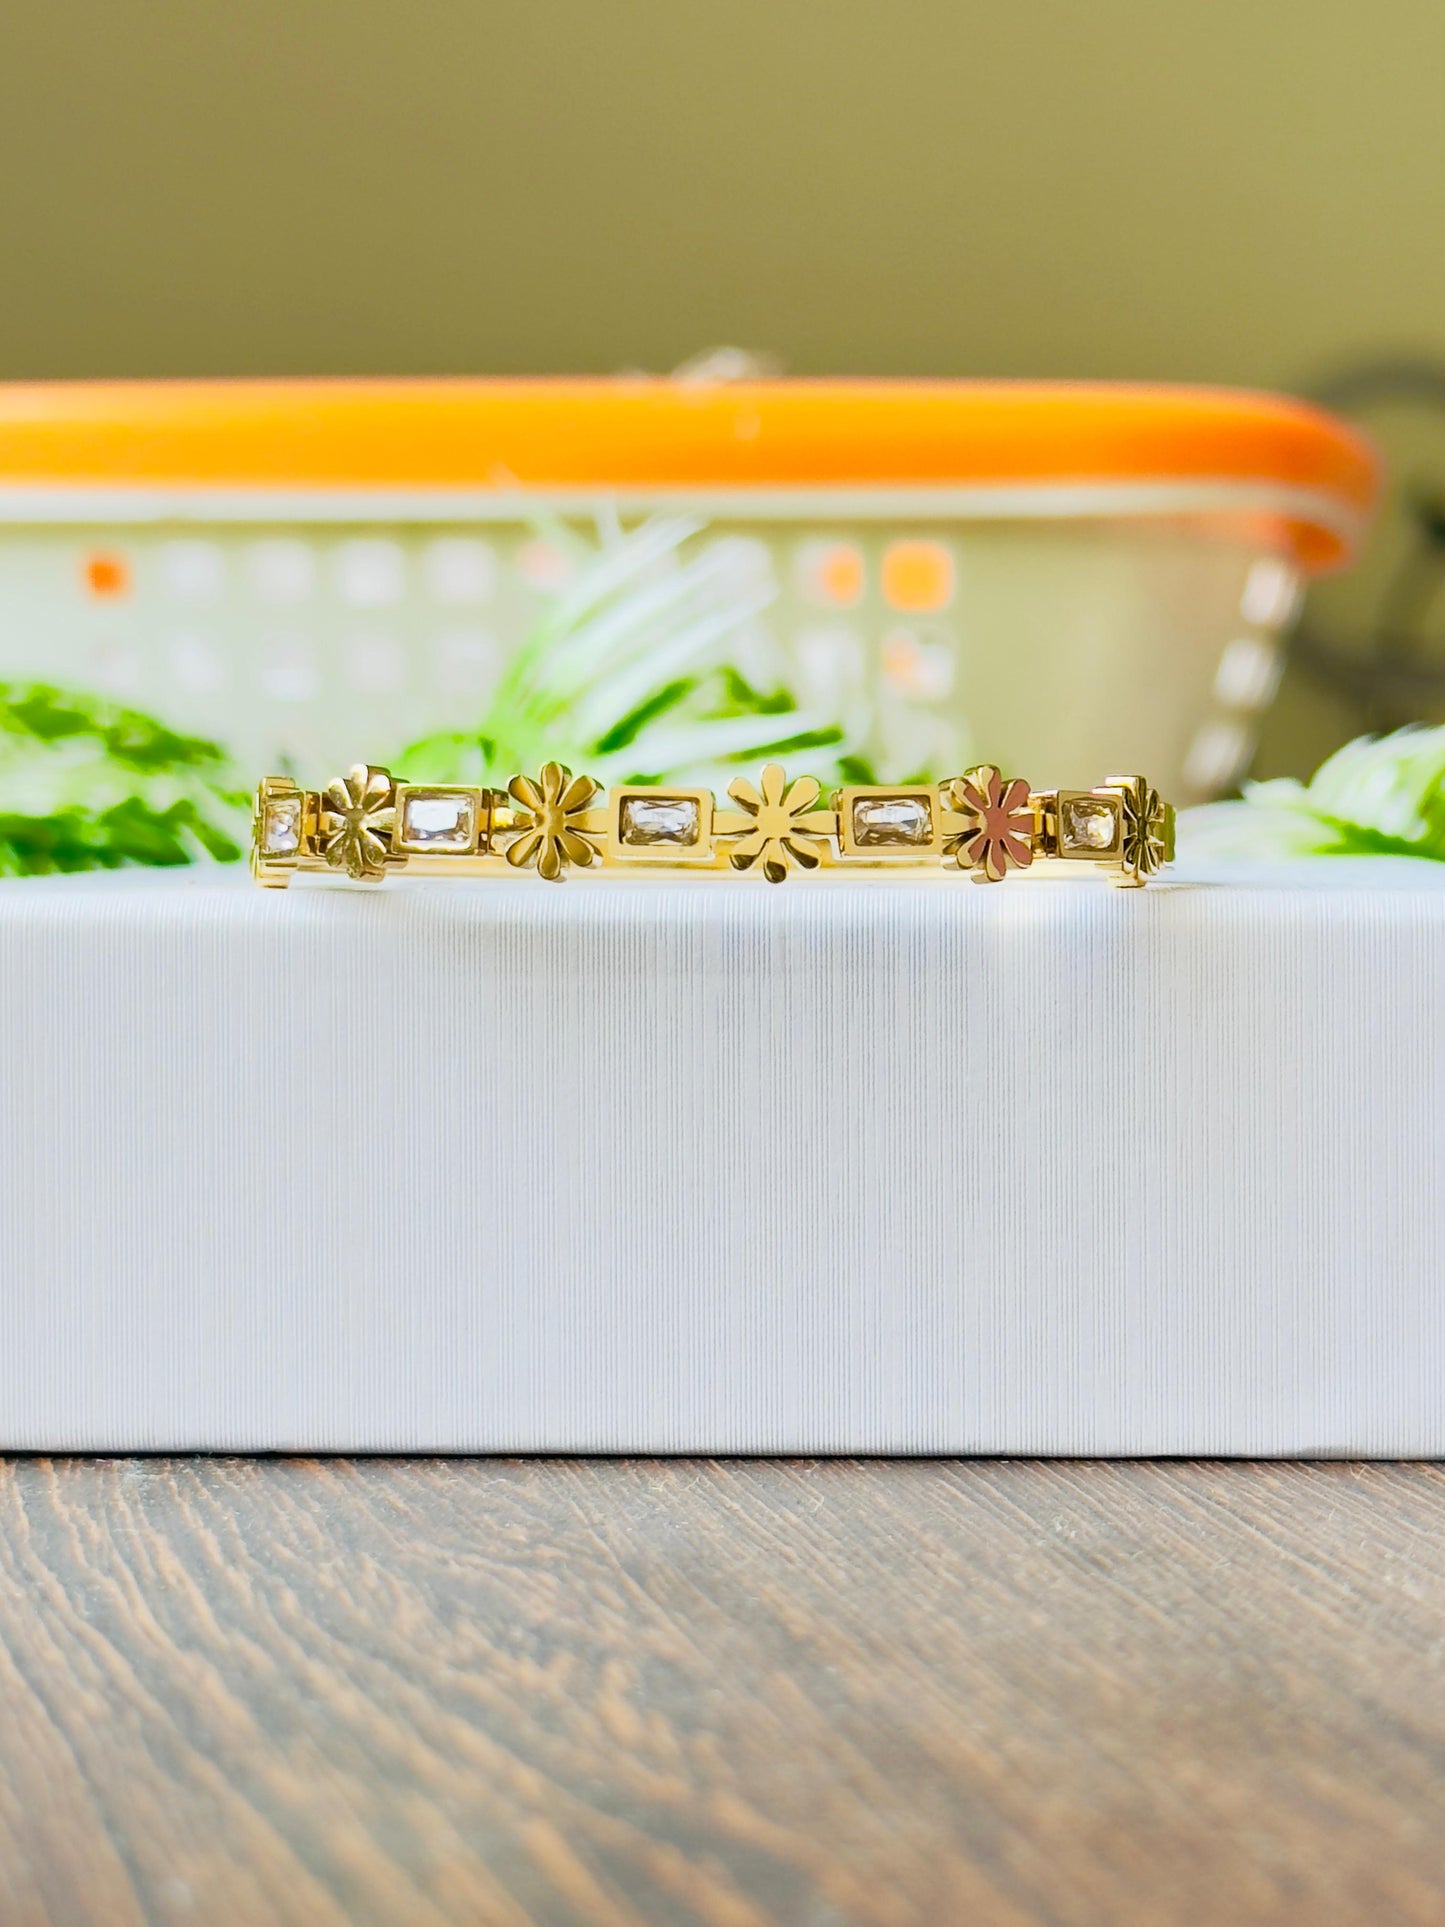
column 720, row 1695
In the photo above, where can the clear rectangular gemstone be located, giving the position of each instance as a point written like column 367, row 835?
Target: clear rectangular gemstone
column 891, row 822
column 1088, row 823
column 649, row 820
column 281, row 826
column 440, row 822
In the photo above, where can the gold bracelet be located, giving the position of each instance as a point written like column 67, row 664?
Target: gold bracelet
column 371, row 825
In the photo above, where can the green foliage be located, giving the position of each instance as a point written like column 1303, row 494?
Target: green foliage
column 643, row 669
column 86, row 785
column 1378, row 796
column 634, row 675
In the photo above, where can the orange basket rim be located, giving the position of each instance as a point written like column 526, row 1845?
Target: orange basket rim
column 1314, row 474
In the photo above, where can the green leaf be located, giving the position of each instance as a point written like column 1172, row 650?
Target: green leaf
column 856, row 769
column 633, row 674
column 739, row 698
column 657, row 704
column 86, row 784
column 1378, row 796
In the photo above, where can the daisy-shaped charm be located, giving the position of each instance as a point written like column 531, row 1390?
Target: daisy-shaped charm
column 556, row 806
column 775, row 825
column 1148, row 842
column 357, row 819
column 998, row 824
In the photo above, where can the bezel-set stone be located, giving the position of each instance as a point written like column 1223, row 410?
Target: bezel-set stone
column 652, row 822
column 877, row 822
column 438, row 821
column 647, row 824
column 281, row 825
column 892, row 822
column 1089, row 825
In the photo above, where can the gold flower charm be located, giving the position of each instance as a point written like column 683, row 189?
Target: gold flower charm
column 1148, row 840
column 998, row 824
column 775, row 823
column 556, row 807
column 357, row 821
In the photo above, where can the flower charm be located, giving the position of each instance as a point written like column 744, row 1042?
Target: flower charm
column 1148, row 841
column 774, row 824
column 357, row 821
column 998, row 832
column 553, row 837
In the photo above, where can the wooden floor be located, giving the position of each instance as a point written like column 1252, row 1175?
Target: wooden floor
column 602, row 1692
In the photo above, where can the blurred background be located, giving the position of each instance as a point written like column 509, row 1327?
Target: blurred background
column 1237, row 193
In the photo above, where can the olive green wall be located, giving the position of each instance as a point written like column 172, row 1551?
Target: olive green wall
column 1131, row 187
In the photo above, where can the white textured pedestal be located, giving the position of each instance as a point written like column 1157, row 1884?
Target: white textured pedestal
column 616, row 1166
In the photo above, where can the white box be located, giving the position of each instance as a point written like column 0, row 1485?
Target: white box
column 672, row 1166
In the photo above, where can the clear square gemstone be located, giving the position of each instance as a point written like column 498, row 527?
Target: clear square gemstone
column 650, row 820
column 891, row 822
column 281, row 826
column 1088, row 823
column 439, row 822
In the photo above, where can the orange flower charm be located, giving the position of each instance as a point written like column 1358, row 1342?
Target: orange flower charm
column 998, row 832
